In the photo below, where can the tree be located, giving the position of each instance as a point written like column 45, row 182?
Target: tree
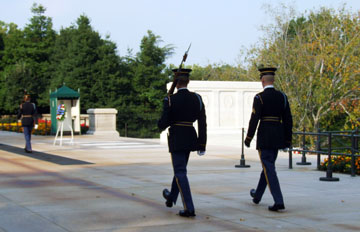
column 148, row 80
column 10, row 93
column 83, row 60
column 37, row 59
column 25, row 60
column 317, row 56
column 2, row 45
column 218, row 72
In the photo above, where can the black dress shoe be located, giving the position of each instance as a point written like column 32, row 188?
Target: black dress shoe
column 27, row 151
column 252, row 194
column 166, row 195
column 277, row 207
column 187, row 213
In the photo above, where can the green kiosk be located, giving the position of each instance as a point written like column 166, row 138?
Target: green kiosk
column 71, row 99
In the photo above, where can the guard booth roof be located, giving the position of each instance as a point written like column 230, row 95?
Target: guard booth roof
column 65, row 93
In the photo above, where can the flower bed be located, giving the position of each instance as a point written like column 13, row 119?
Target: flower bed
column 13, row 126
column 44, row 127
column 341, row 164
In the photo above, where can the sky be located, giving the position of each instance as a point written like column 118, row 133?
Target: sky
column 218, row 30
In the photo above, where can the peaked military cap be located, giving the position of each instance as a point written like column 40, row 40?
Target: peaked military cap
column 183, row 73
column 267, row 71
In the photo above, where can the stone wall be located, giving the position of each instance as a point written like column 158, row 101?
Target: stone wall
column 228, row 107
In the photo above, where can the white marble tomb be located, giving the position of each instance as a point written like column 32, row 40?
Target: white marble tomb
column 228, row 106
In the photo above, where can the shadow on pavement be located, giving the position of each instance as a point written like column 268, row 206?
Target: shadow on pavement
column 43, row 156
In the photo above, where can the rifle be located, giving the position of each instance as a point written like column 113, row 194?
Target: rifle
column 172, row 88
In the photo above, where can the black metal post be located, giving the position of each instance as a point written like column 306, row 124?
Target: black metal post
column 290, row 158
column 46, row 127
column 303, row 157
column 329, row 176
column 356, row 141
column 352, row 154
column 242, row 159
column 318, row 148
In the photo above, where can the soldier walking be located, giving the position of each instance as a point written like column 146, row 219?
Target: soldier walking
column 271, row 108
column 28, row 115
column 180, row 111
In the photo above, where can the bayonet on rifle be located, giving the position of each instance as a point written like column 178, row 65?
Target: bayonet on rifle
column 172, row 88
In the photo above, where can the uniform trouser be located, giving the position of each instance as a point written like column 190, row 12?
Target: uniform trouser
column 268, row 176
column 180, row 181
column 27, row 134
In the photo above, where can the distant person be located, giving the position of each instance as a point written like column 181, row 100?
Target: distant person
column 179, row 113
column 271, row 108
column 28, row 115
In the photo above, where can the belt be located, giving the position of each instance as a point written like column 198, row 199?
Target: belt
column 27, row 116
column 182, row 123
column 271, row 119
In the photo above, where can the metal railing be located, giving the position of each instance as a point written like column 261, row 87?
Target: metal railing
column 337, row 143
column 330, row 143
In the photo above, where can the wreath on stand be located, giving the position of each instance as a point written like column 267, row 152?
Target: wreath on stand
column 60, row 113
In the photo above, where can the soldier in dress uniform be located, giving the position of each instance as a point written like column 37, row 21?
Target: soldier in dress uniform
column 180, row 111
column 271, row 108
column 28, row 115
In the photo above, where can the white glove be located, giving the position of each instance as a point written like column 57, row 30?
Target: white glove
column 201, row 153
column 36, row 126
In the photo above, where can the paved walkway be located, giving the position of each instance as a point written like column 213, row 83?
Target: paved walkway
column 115, row 185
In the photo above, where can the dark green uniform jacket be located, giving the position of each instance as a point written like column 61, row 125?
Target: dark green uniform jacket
column 271, row 108
column 185, row 108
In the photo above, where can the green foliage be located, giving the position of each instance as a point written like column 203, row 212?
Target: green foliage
column 37, row 59
column 83, row 60
column 133, row 85
column 317, row 56
column 218, row 72
column 148, row 78
column 25, row 60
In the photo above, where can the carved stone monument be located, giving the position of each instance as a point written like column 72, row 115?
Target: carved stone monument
column 102, row 122
column 228, row 107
